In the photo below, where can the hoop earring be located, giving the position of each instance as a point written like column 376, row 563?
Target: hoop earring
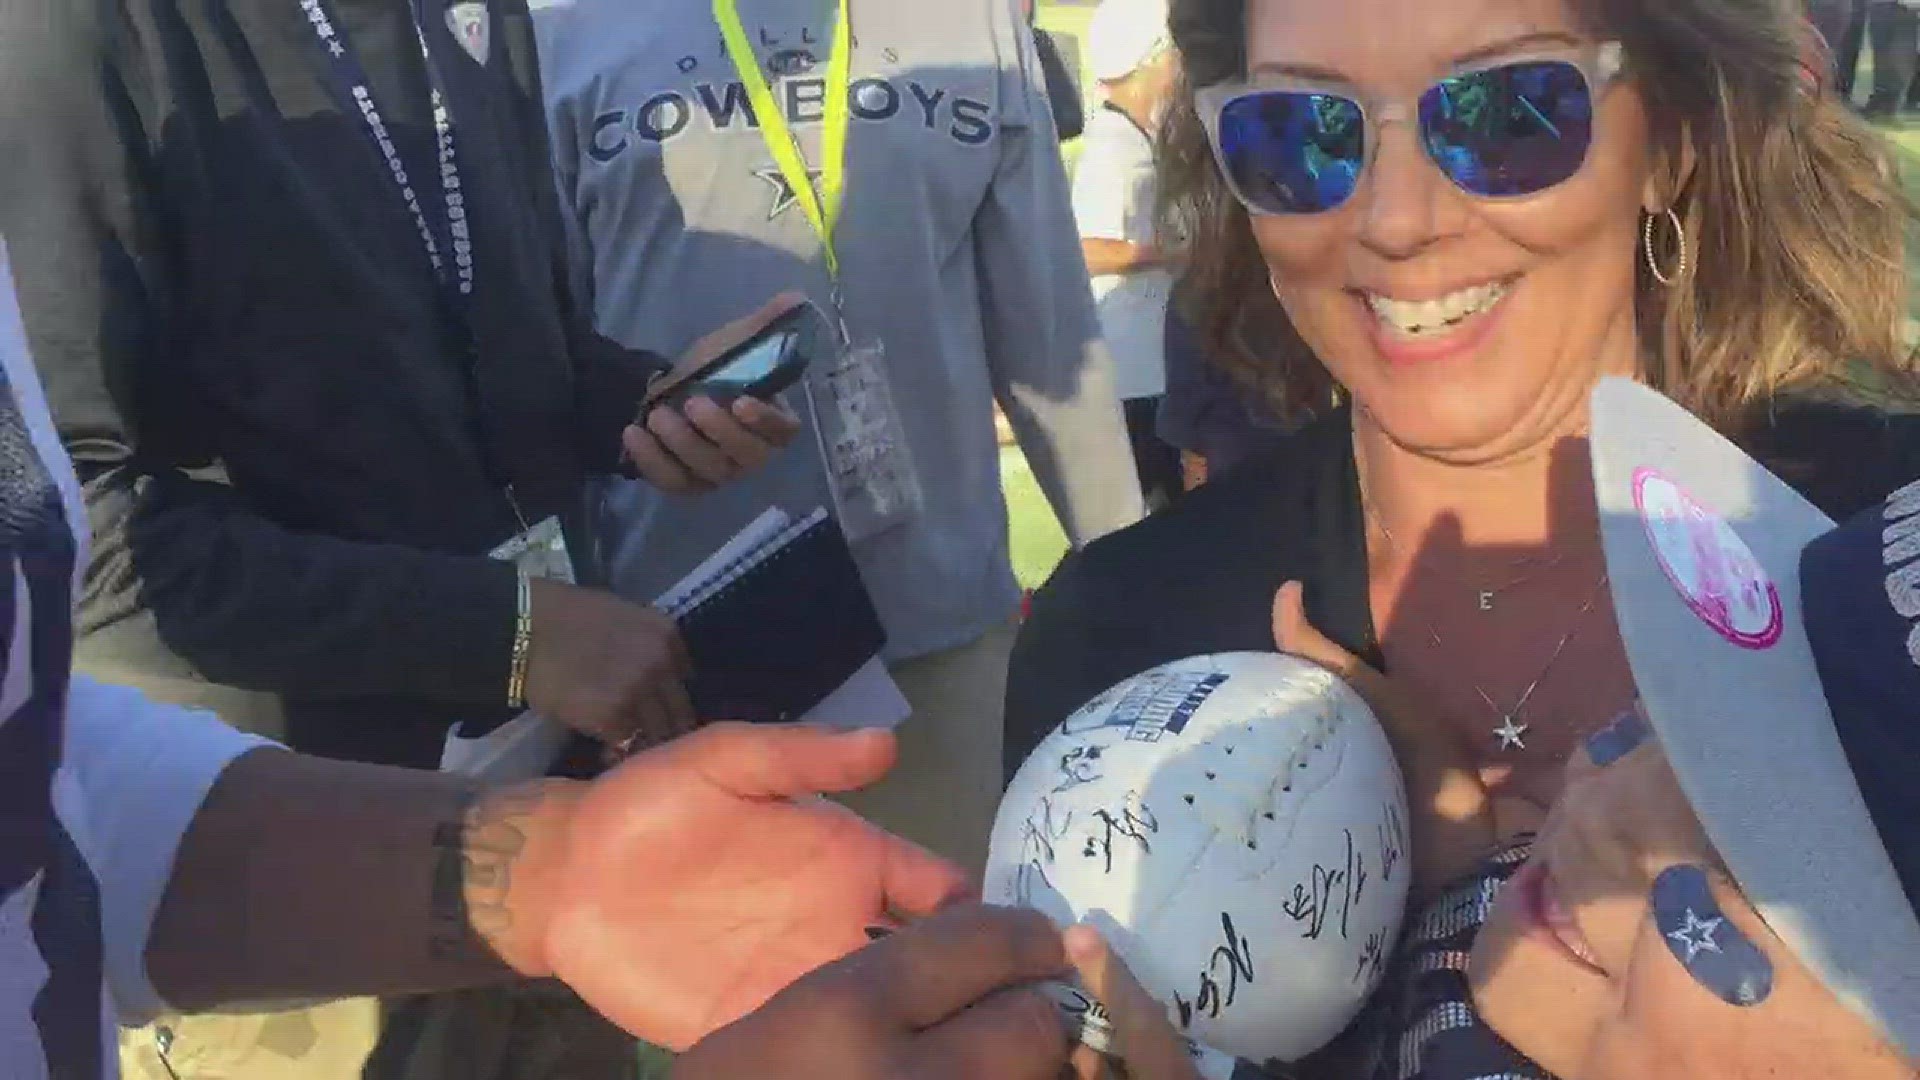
column 1680, row 240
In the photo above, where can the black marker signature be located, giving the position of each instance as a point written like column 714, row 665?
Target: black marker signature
column 1130, row 825
column 1037, row 838
column 1313, row 901
column 1213, row 996
column 1372, row 955
column 1078, row 766
column 1393, row 841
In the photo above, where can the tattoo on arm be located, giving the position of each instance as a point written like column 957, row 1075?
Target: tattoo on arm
column 474, row 852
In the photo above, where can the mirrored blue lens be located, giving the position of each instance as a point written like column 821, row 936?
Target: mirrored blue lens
column 1515, row 129
column 1293, row 152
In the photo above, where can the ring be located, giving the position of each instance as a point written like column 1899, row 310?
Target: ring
column 625, row 746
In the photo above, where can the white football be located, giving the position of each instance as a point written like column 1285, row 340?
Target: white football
column 1236, row 825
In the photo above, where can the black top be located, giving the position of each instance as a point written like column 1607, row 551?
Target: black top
column 1207, row 412
column 1200, row 576
column 293, row 461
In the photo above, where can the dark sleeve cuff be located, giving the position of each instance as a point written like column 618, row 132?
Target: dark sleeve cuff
column 461, row 633
column 254, row 606
column 612, row 382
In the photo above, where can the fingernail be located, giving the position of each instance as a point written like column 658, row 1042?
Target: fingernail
column 1081, row 943
column 1705, row 941
column 875, row 933
column 1618, row 739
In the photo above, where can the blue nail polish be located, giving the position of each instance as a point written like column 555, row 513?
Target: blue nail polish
column 1618, row 739
column 1705, row 941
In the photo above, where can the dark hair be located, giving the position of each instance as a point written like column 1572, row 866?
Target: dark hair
column 1794, row 214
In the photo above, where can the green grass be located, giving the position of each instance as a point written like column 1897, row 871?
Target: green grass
column 1906, row 149
column 1034, row 533
column 1068, row 25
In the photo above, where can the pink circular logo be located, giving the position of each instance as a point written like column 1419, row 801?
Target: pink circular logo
column 1709, row 565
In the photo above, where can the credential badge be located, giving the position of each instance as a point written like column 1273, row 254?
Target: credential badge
column 472, row 27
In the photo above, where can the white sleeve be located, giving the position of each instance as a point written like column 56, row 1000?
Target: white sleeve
column 1051, row 370
column 142, row 770
column 1102, row 193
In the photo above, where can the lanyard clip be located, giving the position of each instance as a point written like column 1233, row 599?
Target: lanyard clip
column 838, row 301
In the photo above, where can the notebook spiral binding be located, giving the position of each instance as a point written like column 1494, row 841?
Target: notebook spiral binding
column 731, row 575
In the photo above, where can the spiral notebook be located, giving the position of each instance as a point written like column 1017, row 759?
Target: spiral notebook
column 780, row 629
column 775, row 622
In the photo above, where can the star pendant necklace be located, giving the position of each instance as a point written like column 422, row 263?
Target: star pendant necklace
column 1511, row 731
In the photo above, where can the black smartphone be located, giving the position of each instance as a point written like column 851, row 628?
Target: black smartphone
column 759, row 367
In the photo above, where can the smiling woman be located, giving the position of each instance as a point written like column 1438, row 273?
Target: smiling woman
column 1796, row 242
column 1439, row 241
column 1436, row 225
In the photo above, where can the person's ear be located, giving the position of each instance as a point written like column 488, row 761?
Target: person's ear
column 1671, row 172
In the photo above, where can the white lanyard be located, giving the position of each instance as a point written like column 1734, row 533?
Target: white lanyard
column 355, row 92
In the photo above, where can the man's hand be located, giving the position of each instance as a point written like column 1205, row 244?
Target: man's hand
column 675, row 894
column 1143, row 1035
column 606, row 667
column 702, row 445
column 701, row 878
column 941, row 999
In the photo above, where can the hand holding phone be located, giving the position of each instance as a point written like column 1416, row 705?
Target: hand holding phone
column 694, row 432
column 764, row 364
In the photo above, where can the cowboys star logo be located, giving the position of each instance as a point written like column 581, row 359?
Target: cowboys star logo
column 791, row 62
column 784, row 198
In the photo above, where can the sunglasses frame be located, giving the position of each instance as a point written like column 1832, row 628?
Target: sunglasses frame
column 1603, row 65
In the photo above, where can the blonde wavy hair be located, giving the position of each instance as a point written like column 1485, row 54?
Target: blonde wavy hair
column 1795, row 218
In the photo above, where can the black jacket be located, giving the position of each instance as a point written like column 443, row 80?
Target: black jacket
column 293, row 461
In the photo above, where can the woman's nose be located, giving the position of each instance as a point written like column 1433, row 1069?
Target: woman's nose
column 1406, row 202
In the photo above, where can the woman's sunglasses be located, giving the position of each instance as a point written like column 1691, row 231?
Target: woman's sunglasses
column 1504, row 131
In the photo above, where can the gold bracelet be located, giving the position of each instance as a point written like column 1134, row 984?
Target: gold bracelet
column 522, row 643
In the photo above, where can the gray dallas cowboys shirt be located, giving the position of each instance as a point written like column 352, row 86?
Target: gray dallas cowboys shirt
column 956, row 240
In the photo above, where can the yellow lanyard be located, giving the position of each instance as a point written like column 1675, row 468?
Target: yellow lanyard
column 779, row 137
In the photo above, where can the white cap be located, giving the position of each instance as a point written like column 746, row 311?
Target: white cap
column 1777, row 745
column 1125, row 34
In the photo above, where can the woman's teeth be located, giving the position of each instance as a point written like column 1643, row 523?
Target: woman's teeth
column 1416, row 317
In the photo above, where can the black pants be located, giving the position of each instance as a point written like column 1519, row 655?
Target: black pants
column 1157, row 461
column 1895, row 30
column 1843, row 23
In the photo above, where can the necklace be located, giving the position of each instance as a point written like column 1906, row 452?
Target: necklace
column 1484, row 595
column 1511, row 732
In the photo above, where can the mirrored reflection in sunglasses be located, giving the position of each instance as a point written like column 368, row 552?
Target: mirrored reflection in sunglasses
column 1511, row 130
column 1516, row 129
column 1292, row 152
